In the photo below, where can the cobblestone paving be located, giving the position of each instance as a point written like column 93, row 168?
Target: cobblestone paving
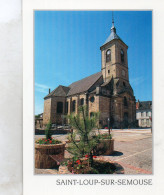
column 133, row 150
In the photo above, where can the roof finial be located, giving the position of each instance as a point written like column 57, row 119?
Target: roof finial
column 112, row 19
column 113, row 29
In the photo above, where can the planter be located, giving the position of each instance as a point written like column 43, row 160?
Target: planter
column 105, row 147
column 118, row 169
column 44, row 154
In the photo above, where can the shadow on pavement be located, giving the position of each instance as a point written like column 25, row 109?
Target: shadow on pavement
column 116, row 153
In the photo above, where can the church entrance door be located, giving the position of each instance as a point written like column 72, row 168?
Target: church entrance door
column 125, row 119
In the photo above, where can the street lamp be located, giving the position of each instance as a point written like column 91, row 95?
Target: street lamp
column 108, row 125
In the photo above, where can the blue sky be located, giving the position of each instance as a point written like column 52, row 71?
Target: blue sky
column 67, row 48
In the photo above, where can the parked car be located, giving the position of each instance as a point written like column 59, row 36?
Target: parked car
column 66, row 126
column 53, row 126
column 59, row 127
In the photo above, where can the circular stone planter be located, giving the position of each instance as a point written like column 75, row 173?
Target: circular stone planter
column 43, row 152
column 105, row 147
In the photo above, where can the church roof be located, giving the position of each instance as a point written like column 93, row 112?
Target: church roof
column 83, row 84
column 144, row 105
column 112, row 35
column 76, row 87
column 59, row 91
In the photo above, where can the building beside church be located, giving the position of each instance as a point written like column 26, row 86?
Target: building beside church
column 108, row 91
column 144, row 113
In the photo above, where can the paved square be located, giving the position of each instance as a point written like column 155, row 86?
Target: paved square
column 133, row 150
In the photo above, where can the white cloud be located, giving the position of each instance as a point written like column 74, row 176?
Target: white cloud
column 137, row 81
column 41, row 88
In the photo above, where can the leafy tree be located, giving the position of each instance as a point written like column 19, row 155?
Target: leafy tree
column 84, row 125
column 37, row 116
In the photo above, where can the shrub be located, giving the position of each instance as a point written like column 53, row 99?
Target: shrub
column 48, row 131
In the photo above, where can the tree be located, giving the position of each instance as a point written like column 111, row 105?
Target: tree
column 48, row 132
column 84, row 125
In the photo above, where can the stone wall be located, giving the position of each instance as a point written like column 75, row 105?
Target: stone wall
column 93, row 106
column 47, row 111
column 104, row 108
column 57, row 118
column 108, row 107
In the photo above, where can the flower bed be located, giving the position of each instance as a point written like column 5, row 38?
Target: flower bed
column 48, row 141
column 82, row 167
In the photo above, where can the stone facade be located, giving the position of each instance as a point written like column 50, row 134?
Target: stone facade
column 39, row 121
column 108, row 92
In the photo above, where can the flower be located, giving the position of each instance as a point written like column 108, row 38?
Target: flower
column 86, row 156
column 50, row 141
column 78, row 161
column 94, row 156
column 45, row 140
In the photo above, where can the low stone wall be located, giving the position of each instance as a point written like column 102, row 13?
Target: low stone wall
column 54, row 132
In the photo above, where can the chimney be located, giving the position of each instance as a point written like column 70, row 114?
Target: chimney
column 49, row 91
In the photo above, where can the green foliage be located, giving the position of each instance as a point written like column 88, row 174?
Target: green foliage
column 84, row 126
column 37, row 116
column 103, row 136
column 48, row 132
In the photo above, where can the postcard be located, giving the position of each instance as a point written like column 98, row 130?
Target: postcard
column 88, row 107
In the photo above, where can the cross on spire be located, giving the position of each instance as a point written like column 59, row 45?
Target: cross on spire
column 113, row 29
column 112, row 18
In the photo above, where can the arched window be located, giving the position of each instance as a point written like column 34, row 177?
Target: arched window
column 123, row 73
column 73, row 105
column 82, row 101
column 66, row 107
column 122, row 55
column 108, row 55
column 125, row 102
column 91, row 114
column 59, row 107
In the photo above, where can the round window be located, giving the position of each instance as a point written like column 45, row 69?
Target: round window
column 92, row 99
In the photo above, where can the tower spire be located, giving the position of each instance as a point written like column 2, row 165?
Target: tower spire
column 112, row 19
column 113, row 29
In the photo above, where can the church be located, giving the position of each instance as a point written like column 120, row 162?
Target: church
column 108, row 91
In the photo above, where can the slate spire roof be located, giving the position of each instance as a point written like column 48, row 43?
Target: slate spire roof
column 113, row 34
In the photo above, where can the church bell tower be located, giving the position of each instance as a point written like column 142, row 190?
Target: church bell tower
column 114, row 61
